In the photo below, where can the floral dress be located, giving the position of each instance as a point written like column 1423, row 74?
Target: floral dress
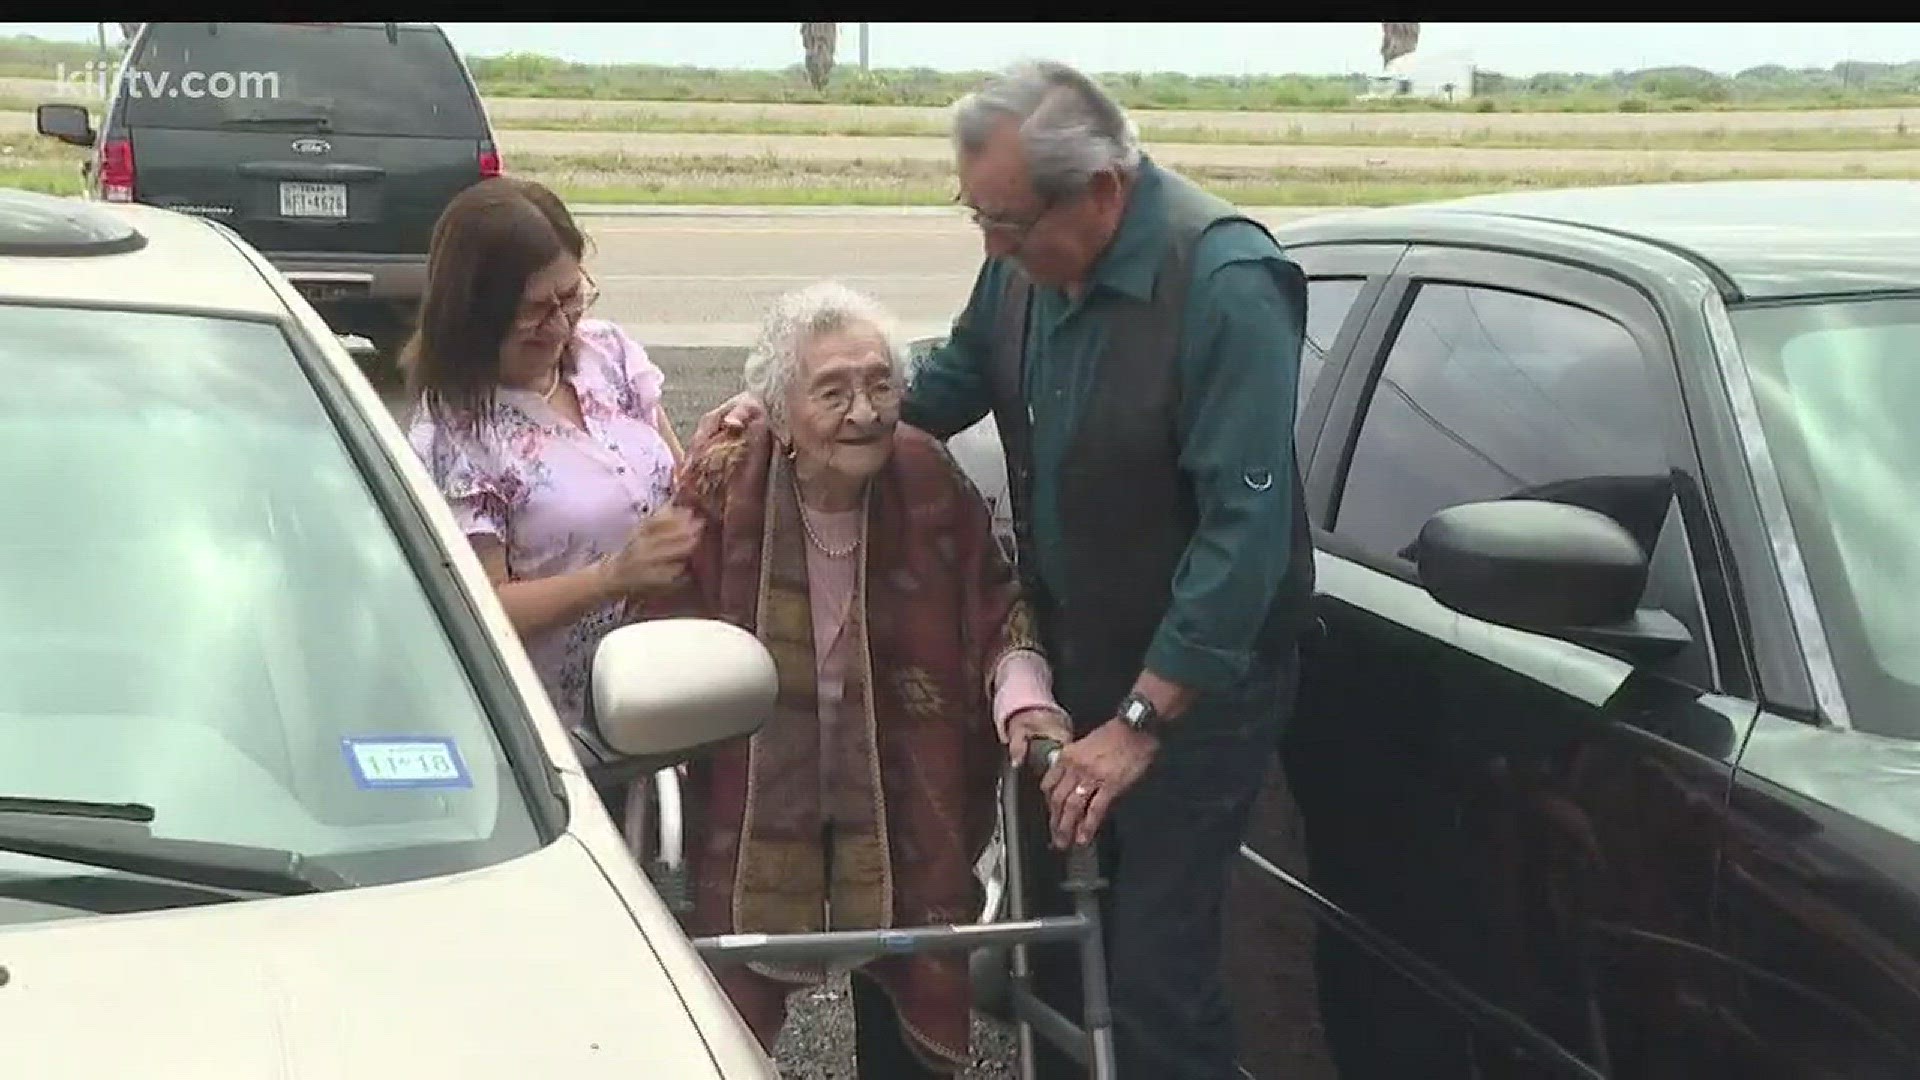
column 558, row 497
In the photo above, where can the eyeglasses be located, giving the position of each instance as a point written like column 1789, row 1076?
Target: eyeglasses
column 883, row 394
column 572, row 304
column 1010, row 228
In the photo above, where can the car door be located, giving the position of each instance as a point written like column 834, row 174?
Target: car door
column 1270, row 966
column 1536, row 819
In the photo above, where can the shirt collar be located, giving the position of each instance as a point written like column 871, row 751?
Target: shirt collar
column 1132, row 260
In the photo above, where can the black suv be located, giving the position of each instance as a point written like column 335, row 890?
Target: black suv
column 331, row 147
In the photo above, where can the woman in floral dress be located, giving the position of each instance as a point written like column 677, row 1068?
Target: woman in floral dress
column 544, row 430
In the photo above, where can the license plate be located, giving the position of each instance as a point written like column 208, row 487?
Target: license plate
column 313, row 200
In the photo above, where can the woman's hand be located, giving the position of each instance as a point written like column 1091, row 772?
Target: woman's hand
column 655, row 556
column 1038, row 722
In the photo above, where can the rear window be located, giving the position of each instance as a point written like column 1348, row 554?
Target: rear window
column 340, row 79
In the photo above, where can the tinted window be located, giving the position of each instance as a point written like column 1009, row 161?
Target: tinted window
column 1328, row 301
column 1488, row 394
column 244, row 76
column 1838, row 386
column 201, row 601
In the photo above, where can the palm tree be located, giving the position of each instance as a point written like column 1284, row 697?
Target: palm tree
column 818, row 39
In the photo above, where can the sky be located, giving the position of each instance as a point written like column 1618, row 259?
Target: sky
column 1194, row 48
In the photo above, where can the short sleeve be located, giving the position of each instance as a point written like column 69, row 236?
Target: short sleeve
column 475, row 487
column 636, row 380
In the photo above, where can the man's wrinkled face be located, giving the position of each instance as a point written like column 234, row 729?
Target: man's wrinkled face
column 1056, row 243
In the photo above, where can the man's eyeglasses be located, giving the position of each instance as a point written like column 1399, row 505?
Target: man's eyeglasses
column 571, row 304
column 1010, row 228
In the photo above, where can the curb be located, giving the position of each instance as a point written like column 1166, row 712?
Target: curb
column 581, row 209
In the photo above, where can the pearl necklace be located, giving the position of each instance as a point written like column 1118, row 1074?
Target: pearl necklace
column 806, row 522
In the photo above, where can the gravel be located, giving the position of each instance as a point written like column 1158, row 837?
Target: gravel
column 817, row 1043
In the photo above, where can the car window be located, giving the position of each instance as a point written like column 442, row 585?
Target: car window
column 204, row 610
column 242, row 76
column 1328, row 302
column 1838, row 386
column 1488, row 394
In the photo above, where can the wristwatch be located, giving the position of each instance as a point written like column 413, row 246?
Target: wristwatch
column 1139, row 714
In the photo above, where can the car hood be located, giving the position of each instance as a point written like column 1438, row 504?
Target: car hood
column 530, row 968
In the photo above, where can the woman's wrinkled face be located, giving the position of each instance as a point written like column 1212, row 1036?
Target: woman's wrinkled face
column 550, row 309
column 843, row 404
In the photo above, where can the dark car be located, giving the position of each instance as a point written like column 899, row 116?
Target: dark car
column 1608, row 746
column 331, row 147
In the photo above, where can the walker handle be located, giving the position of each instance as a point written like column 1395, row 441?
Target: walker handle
column 1040, row 753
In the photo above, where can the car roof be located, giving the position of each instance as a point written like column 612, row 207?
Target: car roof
column 96, row 254
column 1758, row 239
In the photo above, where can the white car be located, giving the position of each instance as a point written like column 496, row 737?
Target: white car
column 280, row 794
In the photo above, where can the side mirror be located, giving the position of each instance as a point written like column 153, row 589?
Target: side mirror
column 68, row 123
column 667, row 690
column 362, row 350
column 1548, row 568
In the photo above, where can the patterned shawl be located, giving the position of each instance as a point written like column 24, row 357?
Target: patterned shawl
column 935, row 608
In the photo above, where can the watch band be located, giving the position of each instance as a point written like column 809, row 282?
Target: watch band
column 1138, row 713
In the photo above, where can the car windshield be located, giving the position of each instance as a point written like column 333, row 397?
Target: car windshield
column 204, row 611
column 347, row 80
column 1838, row 387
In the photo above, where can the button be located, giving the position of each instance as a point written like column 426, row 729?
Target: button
column 622, row 470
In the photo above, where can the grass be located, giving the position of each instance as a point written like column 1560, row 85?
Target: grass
column 642, row 121
column 772, row 181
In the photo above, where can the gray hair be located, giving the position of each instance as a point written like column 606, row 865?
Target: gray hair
column 795, row 321
column 1071, row 129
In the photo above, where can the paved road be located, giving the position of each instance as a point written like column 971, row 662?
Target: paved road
column 703, row 279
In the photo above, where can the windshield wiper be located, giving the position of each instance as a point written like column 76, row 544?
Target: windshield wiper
column 119, row 836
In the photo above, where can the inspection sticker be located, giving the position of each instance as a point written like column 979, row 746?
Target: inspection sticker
column 406, row 761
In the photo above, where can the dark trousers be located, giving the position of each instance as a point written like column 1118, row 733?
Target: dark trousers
column 1166, row 852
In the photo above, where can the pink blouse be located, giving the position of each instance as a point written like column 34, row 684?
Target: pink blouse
column 1022, row 680
column 560, row 498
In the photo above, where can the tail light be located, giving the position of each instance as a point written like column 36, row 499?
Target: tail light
column 116, row 170
column 489, row 161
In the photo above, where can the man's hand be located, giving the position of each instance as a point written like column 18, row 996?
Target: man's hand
column 1090, row 774
column 1035, row 723
column 733, row 414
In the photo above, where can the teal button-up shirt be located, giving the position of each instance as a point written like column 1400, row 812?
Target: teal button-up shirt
column 1239, row 365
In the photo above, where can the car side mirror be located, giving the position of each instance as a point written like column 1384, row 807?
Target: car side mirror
column 68, row 123
column 361, row 349
column 666, row 691
column 1547, row 568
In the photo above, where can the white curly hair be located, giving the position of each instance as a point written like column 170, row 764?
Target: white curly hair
column 795, row 321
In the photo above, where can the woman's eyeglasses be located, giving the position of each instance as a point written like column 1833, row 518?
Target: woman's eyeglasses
column 884, row 395
column 570, row 304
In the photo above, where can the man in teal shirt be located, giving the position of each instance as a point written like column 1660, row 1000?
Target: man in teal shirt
column 1138, row 342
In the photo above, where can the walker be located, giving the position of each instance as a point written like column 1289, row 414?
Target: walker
column 1090, row 1042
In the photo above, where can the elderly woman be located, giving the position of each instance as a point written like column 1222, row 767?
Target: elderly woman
column 859, row 553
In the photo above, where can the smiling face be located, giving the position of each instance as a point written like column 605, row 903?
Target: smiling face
column 551, row 305
column 842, row 405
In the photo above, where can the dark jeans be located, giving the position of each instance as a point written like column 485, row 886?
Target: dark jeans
column 1166, row 851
